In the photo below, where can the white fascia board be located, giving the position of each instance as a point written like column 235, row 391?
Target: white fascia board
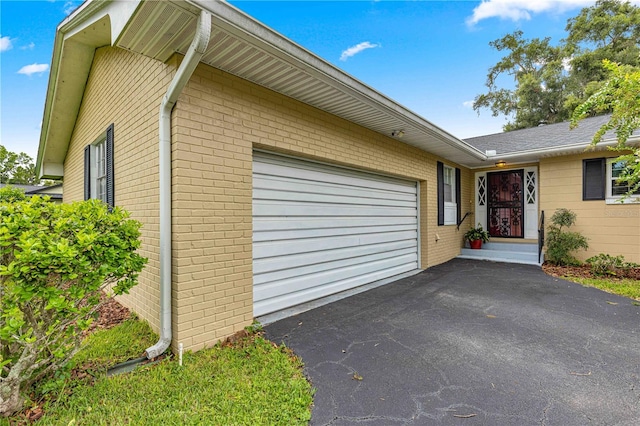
column 62, row 102
column 52, row 171
column 566, row 149
column 534, row 155
column 253, row 32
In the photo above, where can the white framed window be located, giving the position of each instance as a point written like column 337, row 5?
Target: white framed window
column 98, row 168
column 450, row 205
column 616, row 190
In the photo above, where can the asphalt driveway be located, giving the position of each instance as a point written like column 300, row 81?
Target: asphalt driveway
column 472, row 343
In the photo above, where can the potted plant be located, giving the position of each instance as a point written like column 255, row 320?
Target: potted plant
column 476, row 237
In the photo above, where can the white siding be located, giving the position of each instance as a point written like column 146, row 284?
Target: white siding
column 319, row 230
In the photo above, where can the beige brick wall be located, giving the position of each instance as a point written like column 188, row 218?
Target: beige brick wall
column 611, row 228
column 219, row 120
column 126, row 89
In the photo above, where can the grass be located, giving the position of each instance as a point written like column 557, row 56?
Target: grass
column 250, row 382
column 623, row 287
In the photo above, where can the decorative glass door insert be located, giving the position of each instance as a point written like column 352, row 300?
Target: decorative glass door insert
column 505, row 204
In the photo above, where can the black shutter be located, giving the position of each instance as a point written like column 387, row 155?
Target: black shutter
column 110, row 183
column 458, row 196
column 440, row 172
column 593, row 179
column 87, row 172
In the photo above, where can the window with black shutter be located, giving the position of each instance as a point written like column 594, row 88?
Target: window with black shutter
column 593, row 179
column 98, row 169
column 449, row 194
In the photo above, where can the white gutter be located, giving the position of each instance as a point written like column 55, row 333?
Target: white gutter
column 565, row 149
column 247, row 28
column 185, row 70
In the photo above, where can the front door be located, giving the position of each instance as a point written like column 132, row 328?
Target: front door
column 490, row 198
column 505, row 209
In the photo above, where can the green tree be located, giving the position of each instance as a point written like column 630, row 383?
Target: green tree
column 540, row 82
column 551, row 81
column 608, row 30
column 620, row 94
column 55, row 259
column 17, row 168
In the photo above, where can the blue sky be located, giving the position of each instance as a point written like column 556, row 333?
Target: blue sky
column 430, row 56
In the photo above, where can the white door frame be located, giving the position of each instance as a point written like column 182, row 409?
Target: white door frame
column 531, row 200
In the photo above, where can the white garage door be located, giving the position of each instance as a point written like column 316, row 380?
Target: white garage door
column 319, row 230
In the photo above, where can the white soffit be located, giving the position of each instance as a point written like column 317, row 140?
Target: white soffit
column 246, row 48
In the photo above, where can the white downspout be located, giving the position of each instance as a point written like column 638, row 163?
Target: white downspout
column 185, row 70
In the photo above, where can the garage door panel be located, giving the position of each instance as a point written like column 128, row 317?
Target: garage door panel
column 327, row 174
column 322, row 278
column 305, row 245
column 328, row 232
column 342, row 198
column 269, row 183
column 408, row 254
column 278, row 208
column 291, row 299
column 268, row 264
column 318, row 230
column 268, row 224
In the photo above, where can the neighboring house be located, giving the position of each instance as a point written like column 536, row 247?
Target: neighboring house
column 52, row 191
column 264, row 176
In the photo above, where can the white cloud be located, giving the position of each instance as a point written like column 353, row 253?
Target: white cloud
column 467, row 104
column 517, row 10
column 33, row 69
column 5, row 43
column 354, row 50
column 69, row 7
column 29, row 46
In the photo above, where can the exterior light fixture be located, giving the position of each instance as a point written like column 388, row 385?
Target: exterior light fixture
column 501, row 163
column 397, row 133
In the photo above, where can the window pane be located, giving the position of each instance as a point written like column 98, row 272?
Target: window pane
column 449, row 184
column 619, row 188
column 448, row 193
column 617, row 168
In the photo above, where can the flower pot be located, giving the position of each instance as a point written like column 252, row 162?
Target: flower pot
column 475, row 244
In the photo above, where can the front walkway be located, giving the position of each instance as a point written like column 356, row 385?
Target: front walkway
column 472, row 343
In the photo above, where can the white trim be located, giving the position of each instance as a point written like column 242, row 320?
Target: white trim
column 531, row 212
column 480, row 211
column 615, row 199
column 450, row 207
column 98, row 154
column 419, row 227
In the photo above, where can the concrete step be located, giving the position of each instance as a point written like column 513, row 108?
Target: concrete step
column 505, row 252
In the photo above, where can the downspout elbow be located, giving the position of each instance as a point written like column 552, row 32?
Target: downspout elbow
column 183, row 74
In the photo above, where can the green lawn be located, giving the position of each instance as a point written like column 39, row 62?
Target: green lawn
column 624, row 287
column 252, row 382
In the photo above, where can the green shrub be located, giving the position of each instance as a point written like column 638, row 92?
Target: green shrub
column 605, row 264
column 560, row 244
column 55, row 259
column 11, row 194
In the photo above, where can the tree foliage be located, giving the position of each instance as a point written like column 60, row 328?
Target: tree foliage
column 550, row 81
column 55, row 259
column 620, row 94
column 536, row 67
column 17, row 168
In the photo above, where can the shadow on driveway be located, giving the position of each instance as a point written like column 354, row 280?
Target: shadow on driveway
column 471, row 343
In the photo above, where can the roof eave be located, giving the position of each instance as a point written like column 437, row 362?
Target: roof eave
column 534, row 155
column 67, row 81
